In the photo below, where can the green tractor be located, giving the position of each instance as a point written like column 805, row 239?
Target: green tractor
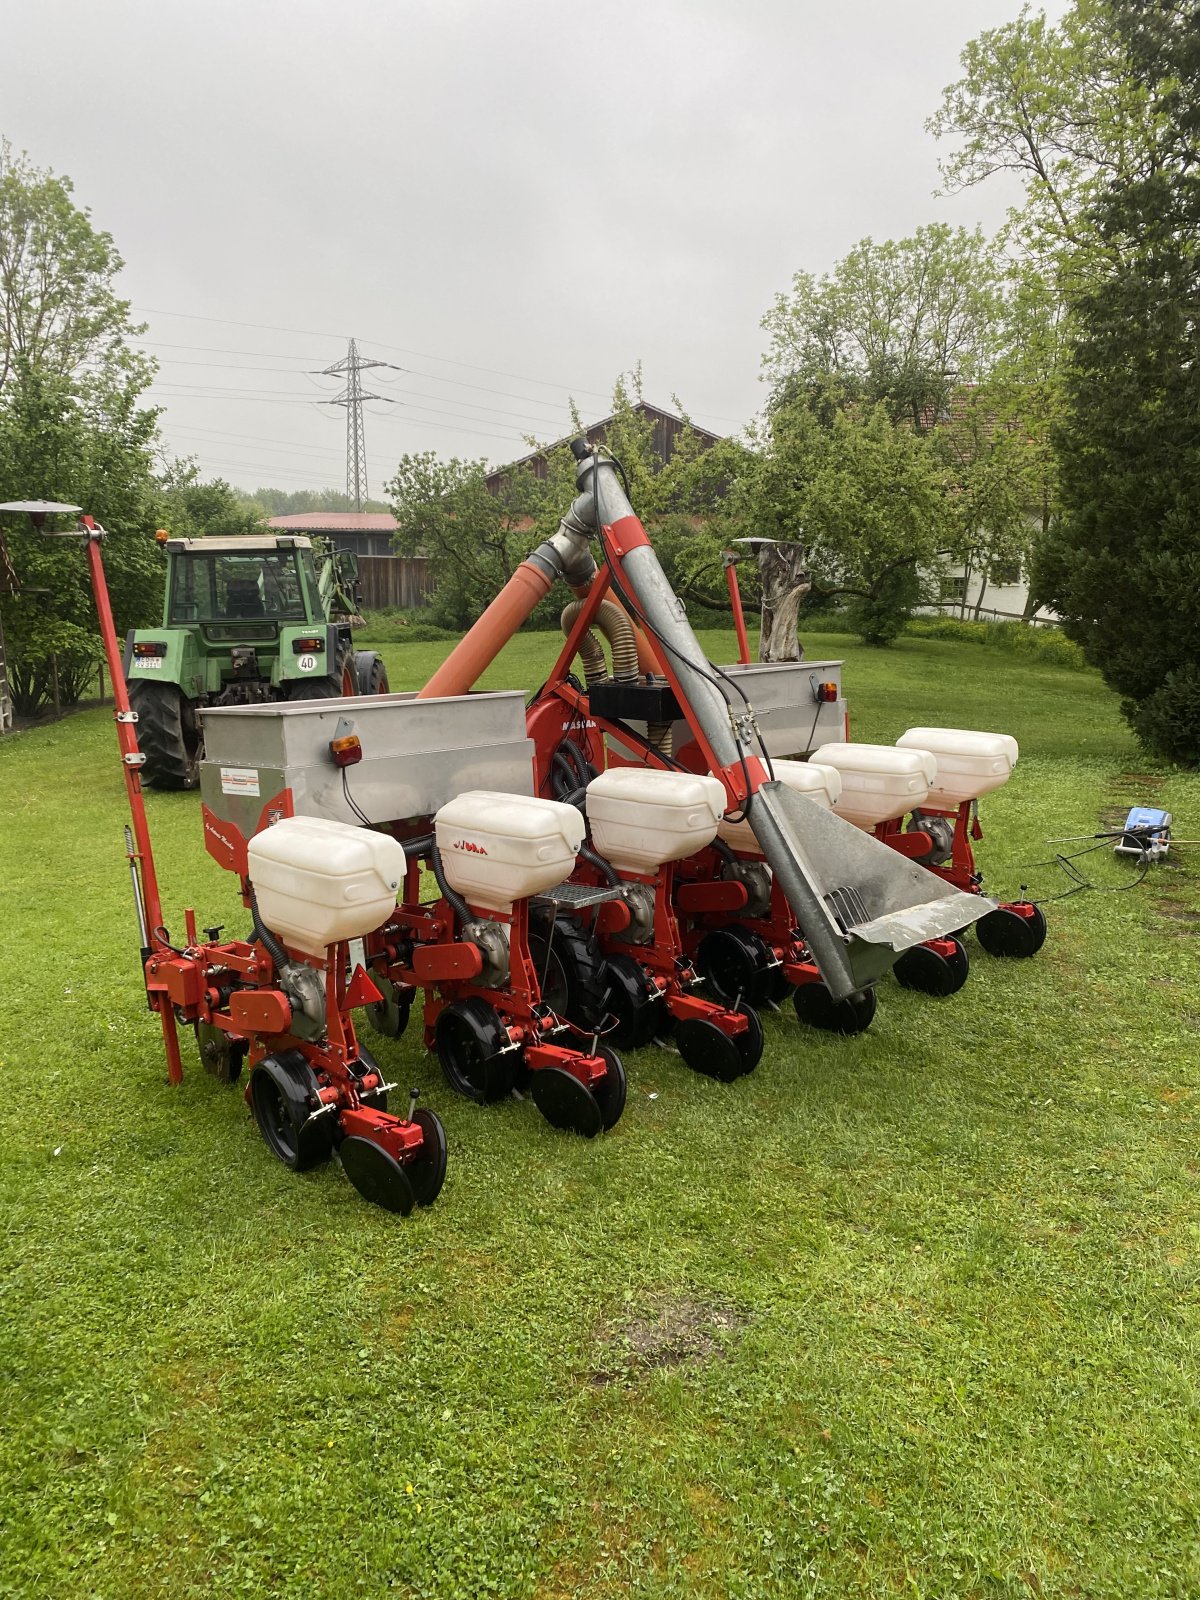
column 245, row 620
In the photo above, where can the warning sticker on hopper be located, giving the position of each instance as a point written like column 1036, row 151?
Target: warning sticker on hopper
column 239, row 780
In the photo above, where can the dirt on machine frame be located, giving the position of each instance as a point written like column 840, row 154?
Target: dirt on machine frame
column 246, row 619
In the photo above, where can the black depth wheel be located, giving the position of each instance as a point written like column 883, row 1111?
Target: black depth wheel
column 930, row 972
column 1005, row 932
column 219, row 1053
column 735, row 964
column 634, row 1001
column 571, row 971
column 427, row 1171
column 750, row 1043
column 709, row 1050
column 565, row 1102
column 282, row 1095
column 469, row 1038
column 611, row 1091
column 816, row 1006
column 389, row 1016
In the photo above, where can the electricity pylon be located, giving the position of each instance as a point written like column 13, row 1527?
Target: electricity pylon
column 352, row 397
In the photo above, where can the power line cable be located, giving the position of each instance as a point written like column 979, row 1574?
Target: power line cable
column 422, row 355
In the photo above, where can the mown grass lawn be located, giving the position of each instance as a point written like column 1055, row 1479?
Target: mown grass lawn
column 912, row 1314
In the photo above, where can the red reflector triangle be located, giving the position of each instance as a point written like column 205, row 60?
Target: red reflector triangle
column 362, row 992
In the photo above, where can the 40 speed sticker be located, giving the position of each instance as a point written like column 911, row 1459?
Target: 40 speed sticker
column 307, row 663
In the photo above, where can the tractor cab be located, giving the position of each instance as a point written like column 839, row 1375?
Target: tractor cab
column 246, row 619
column 222, row 580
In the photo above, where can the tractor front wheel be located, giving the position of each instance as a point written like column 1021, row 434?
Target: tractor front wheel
column 168, row 734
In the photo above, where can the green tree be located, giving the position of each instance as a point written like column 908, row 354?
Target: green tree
column 474, row 538
column 59, row 311
column 71, row 428
column 56, row 446
column 193, row 509
column 902, row 322
column 1124, row 570
column 867, row 496
column 1057, row 105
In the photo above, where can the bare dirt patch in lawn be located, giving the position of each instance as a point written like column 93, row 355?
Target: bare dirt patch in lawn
column 680, row 1331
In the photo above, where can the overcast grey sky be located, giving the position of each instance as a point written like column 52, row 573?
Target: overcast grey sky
column 485, row 192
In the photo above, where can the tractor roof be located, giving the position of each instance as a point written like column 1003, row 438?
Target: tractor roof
column 246, row 544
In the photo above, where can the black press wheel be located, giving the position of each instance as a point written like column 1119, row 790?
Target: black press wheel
column 377, row 1175
column 634, row 1001
column 928, row 971
column 427, row 1171
column 220, row 1054
column 611, row 1091
column 572, row 974
column 709, row 1050
column 389, row 1016
column 735, row 964
column 816, row 1006
column 1006, row 932
column 283, row 1091
column 565, row 1102
column 750, row 1043
column 470, row 1038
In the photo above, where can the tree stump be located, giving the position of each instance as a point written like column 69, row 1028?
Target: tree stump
column 784, row 585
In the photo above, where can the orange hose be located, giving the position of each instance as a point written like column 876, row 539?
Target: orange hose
column 479, row 647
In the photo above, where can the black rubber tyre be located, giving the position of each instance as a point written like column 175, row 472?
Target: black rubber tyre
column 611, row 1093
column 469, row 1038
column 571, row 972
column 168, row 734
column 1004, row 932
column 817, row 1007
column 282, row 1089
column 929, row 972
column 341, row 682
column 632, row 999
column 389, row 1016
column 220, row 1055
column 708, row 1049
column 735, row 964
column 428, row 1172
column 750, row 1043
column 370, row 674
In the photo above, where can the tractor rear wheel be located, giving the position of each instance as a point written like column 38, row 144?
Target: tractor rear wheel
column 340, row 683
column 370, row 673
column 168, row 734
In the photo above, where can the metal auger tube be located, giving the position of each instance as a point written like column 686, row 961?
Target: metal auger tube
column 813, row 854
